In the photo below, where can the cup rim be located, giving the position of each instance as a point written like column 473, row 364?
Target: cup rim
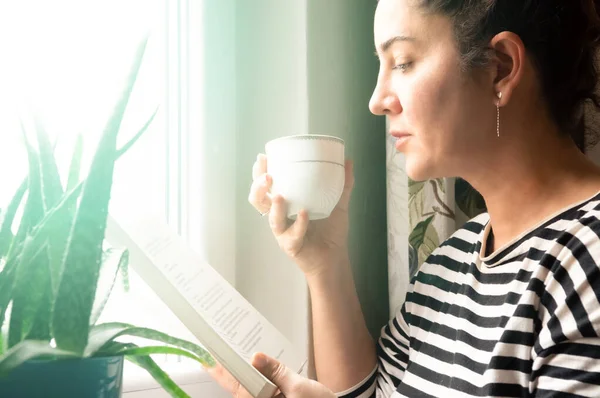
column 308, row 137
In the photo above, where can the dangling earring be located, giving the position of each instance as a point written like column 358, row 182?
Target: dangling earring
column 498, row 114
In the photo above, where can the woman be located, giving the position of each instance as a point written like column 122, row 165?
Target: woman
column 491, row 91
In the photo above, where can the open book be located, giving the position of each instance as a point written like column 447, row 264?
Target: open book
column 222, row 320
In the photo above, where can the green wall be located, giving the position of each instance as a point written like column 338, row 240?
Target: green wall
column 342, row 73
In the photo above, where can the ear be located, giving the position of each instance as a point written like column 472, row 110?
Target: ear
column 508, row 62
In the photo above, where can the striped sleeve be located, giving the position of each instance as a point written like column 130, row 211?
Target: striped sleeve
column 566, row 356
column 392, row 353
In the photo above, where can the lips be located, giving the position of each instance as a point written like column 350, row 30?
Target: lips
column 401, row 138
column 399, row 134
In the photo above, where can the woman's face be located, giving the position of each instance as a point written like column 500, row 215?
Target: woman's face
column 446, row 118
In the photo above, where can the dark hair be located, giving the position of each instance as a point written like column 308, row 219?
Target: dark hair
column 561, row 36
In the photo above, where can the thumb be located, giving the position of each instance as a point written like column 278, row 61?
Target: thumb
column 275, row 371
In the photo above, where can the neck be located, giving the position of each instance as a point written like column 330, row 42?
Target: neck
column 526, row 183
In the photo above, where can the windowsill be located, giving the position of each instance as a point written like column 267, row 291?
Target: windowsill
column 137, row 383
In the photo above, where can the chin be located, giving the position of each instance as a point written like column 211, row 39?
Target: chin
column 419, row 170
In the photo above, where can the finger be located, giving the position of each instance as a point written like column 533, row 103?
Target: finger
column 228, row 382
column 278, row 215
column 344, row 202
column 296, row 232
column 260, row 166
column 275, row 371
column 259, row 195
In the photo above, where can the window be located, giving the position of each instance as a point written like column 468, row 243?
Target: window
column 65, row 61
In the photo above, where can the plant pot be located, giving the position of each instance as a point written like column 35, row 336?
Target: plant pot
column 82, row 378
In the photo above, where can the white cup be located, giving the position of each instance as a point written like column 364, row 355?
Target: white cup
column 308, row 171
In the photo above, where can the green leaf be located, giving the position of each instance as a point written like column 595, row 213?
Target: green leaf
column 124, row 271
column 417, row 235
column 50, row 222
column 40, row 233
column 6, row 235
column 423, row 240
column 149, row 350
column 77, row 286
column 7, row 282
column 130, row 143
column 40, row 329
column 52, row 189
column 107, row 332
column 3, row 339
column 44, row 272
column 468, row 200
column 413, row 261
column 58, row 240
column 28, row 350
column 159, row 375
column 416, row 205
column 29, row 248
column 75, row 166
column 25, row 302
column 431, row 241
column 103, row 334
column 30, row 293
column 114, row 260
column 34, row 206
column 414, row 187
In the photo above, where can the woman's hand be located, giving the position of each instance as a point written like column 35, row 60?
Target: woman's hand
column 315, row 245
column 290, row 384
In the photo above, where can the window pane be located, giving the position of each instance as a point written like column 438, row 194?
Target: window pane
column 65, row 61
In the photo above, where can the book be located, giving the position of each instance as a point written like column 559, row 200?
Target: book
column 222, row 320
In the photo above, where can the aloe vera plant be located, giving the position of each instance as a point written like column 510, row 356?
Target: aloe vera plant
column 51, row 267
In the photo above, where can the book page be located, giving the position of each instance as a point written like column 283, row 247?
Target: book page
column 224, row 308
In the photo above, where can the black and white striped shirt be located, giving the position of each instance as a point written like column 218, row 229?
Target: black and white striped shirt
column 522, row 322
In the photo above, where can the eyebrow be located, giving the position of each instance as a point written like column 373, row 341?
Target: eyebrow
column 388, row 43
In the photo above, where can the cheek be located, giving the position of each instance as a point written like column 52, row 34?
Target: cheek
column 430, row 103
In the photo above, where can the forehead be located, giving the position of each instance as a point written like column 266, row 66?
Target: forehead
column 405, row 18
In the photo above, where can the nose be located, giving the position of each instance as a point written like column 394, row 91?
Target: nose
column 384, row 100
